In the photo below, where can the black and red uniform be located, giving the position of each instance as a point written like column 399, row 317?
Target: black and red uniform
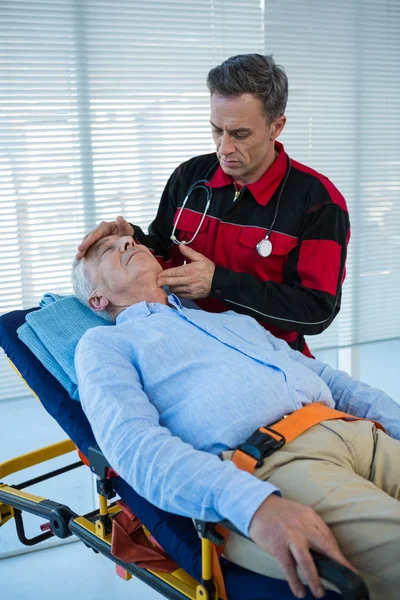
column 294, row 291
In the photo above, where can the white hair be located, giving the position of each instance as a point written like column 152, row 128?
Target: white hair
column 83, row 285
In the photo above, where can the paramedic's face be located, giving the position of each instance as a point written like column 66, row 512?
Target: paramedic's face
column 118, row 264
column 243, row 137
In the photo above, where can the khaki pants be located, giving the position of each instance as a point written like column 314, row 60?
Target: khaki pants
column 349, row 472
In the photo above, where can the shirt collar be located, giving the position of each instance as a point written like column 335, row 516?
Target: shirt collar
column 174, row 301
column 134, row 311
column 139, row 310
column 265, row 187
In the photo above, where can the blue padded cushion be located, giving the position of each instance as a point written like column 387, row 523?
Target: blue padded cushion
column 56, row 401
column 175, row 534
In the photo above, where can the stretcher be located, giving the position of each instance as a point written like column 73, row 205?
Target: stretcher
column 177, row 556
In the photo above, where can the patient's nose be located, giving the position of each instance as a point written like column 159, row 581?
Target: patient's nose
column 125, row 243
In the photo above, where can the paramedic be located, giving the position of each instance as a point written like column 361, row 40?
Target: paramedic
column 263, row 234
column 169, row 388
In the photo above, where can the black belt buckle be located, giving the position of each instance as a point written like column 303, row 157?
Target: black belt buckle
column 261, row 445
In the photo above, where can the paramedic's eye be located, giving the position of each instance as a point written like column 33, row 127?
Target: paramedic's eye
column 241, row 135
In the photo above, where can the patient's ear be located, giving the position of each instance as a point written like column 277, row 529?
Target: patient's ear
column 97, row 302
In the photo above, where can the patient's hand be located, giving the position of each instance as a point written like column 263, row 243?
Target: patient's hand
column 289, row 530
column 117, row 227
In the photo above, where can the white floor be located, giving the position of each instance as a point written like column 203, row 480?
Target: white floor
column 65, row 572
column 72, row 570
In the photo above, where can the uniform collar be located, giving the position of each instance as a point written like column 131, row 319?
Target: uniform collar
column 265, row 187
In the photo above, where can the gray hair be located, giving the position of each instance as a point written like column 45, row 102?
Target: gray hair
column 256, row 74
column 83, row 285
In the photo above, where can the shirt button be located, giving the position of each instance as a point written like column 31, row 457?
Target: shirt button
column 217, row 293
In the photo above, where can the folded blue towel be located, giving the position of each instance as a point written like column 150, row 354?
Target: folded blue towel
column 53, row 333
column 49, row 298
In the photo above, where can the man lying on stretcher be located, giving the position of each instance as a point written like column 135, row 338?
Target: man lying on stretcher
column 169, row 388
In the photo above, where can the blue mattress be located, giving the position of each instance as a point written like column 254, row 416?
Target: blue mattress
column 175, row 534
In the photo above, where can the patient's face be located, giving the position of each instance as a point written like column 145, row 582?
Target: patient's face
column 118, row 265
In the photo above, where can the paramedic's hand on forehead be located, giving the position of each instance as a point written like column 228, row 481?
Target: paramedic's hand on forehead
column 105, row 228
column 288, row 531
column 191, row 280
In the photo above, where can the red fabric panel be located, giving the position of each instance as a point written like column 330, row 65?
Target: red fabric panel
column 237, row 251
column 187, row 225
column 161, row 261
column 333, row 192
column 306, row 351
column 319, row 265
column 130, row 544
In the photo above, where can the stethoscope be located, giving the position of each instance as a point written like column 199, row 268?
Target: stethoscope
column 201, row 184
column 264, row 246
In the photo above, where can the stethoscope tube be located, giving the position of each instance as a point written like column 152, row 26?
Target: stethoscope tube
column 201, row 184
column 264, row 246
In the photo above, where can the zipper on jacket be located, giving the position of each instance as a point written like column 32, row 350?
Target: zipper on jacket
column 237, row 192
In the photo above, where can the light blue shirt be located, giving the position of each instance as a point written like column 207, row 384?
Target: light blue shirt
column 167, row 388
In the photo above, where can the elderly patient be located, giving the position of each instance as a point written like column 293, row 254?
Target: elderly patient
column 169, row 388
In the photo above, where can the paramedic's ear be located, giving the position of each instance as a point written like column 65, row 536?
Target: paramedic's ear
column 97, row 302
column 277, row 126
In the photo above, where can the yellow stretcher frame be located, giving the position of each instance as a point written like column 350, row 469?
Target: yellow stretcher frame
column 179, row 585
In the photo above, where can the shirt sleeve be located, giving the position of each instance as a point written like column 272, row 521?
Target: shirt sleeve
column 309, row 298
column 350, row 395
column 168, row 472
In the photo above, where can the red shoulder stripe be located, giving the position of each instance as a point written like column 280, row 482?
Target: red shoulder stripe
column 333, row 192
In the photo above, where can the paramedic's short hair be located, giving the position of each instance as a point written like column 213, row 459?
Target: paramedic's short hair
column 256, row 74
column 83, row 286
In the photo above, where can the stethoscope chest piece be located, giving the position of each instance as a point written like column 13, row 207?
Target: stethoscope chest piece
column 264, row 248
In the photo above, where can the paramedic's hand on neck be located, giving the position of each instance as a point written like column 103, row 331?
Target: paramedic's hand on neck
column 118, row 227
column 191, row 280
column 289, row 530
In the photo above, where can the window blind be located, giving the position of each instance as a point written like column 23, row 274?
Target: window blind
column 342, row 60
column 100, row 100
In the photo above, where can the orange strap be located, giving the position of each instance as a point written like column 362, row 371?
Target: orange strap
column 292, row 426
